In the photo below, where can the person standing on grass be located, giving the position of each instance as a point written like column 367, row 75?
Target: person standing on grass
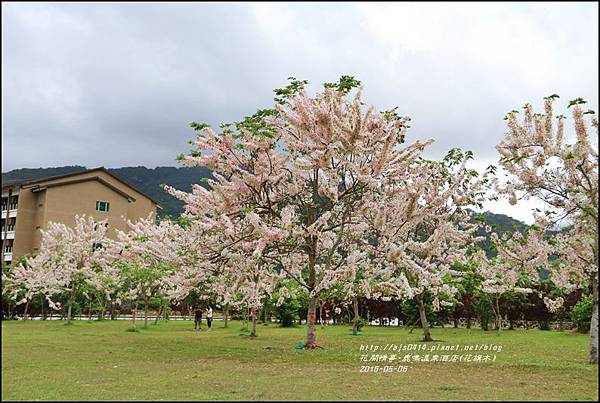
column 209, row 314
column 198, row 318
column 337, row 311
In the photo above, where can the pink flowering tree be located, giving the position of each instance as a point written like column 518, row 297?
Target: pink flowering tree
column 519, row 261
column 349, row 279
column 230, row 268
column 544, row 165
column 69, row 260
column 421, row 228
column 195, row 271
column 144, row 256
column 254, row 283
column 574, row 254
column 27, row 279
column 299, row 174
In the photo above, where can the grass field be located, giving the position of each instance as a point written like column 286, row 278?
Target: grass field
column 47, row 360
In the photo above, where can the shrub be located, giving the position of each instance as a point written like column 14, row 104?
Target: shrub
column 361, row 323
column 287, row 312
column 581, row 314
column 484, row 310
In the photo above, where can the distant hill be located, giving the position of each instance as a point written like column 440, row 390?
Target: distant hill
column 36, row 173
column 147, row 180
column 150, row 181
column 502, row 223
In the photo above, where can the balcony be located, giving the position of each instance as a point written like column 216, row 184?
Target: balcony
column 12, row 212
column 9, row 234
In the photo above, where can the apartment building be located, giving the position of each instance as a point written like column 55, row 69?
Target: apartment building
column 28, row 206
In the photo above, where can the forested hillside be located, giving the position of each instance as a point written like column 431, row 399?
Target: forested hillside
column 148, row 180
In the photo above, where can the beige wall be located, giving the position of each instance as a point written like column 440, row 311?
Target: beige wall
column 27, row 213
column 63, row 202
column 39, row 221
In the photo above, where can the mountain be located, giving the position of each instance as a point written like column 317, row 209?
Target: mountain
column 36, row 173
column 502, row 223
column 148, row 180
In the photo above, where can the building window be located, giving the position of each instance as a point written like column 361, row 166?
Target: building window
column 13, row 203
column 102, row 206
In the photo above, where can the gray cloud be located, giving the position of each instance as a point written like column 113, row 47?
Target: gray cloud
column 117, row 84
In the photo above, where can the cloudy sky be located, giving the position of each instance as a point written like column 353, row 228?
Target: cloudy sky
column 117, row 84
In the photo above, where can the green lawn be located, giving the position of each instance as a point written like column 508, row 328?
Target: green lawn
column 47, row 360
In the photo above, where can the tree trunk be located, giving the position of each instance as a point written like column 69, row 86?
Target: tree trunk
column 112, row 310
column 102, row 309
column 266, row 313
column 468, row 322
column 254, row 319
column 311, row 243
column 90, row 310
column 311, row 331
column 356, row 316
column 43, row 313
column 133, row 326
column 498, row 316
column 25, row 311
column 69, row 311
column 225, row 315
column 160, row 309
column 423, row 316
column 145, row 312
column 594, row 322
column 320, row 321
